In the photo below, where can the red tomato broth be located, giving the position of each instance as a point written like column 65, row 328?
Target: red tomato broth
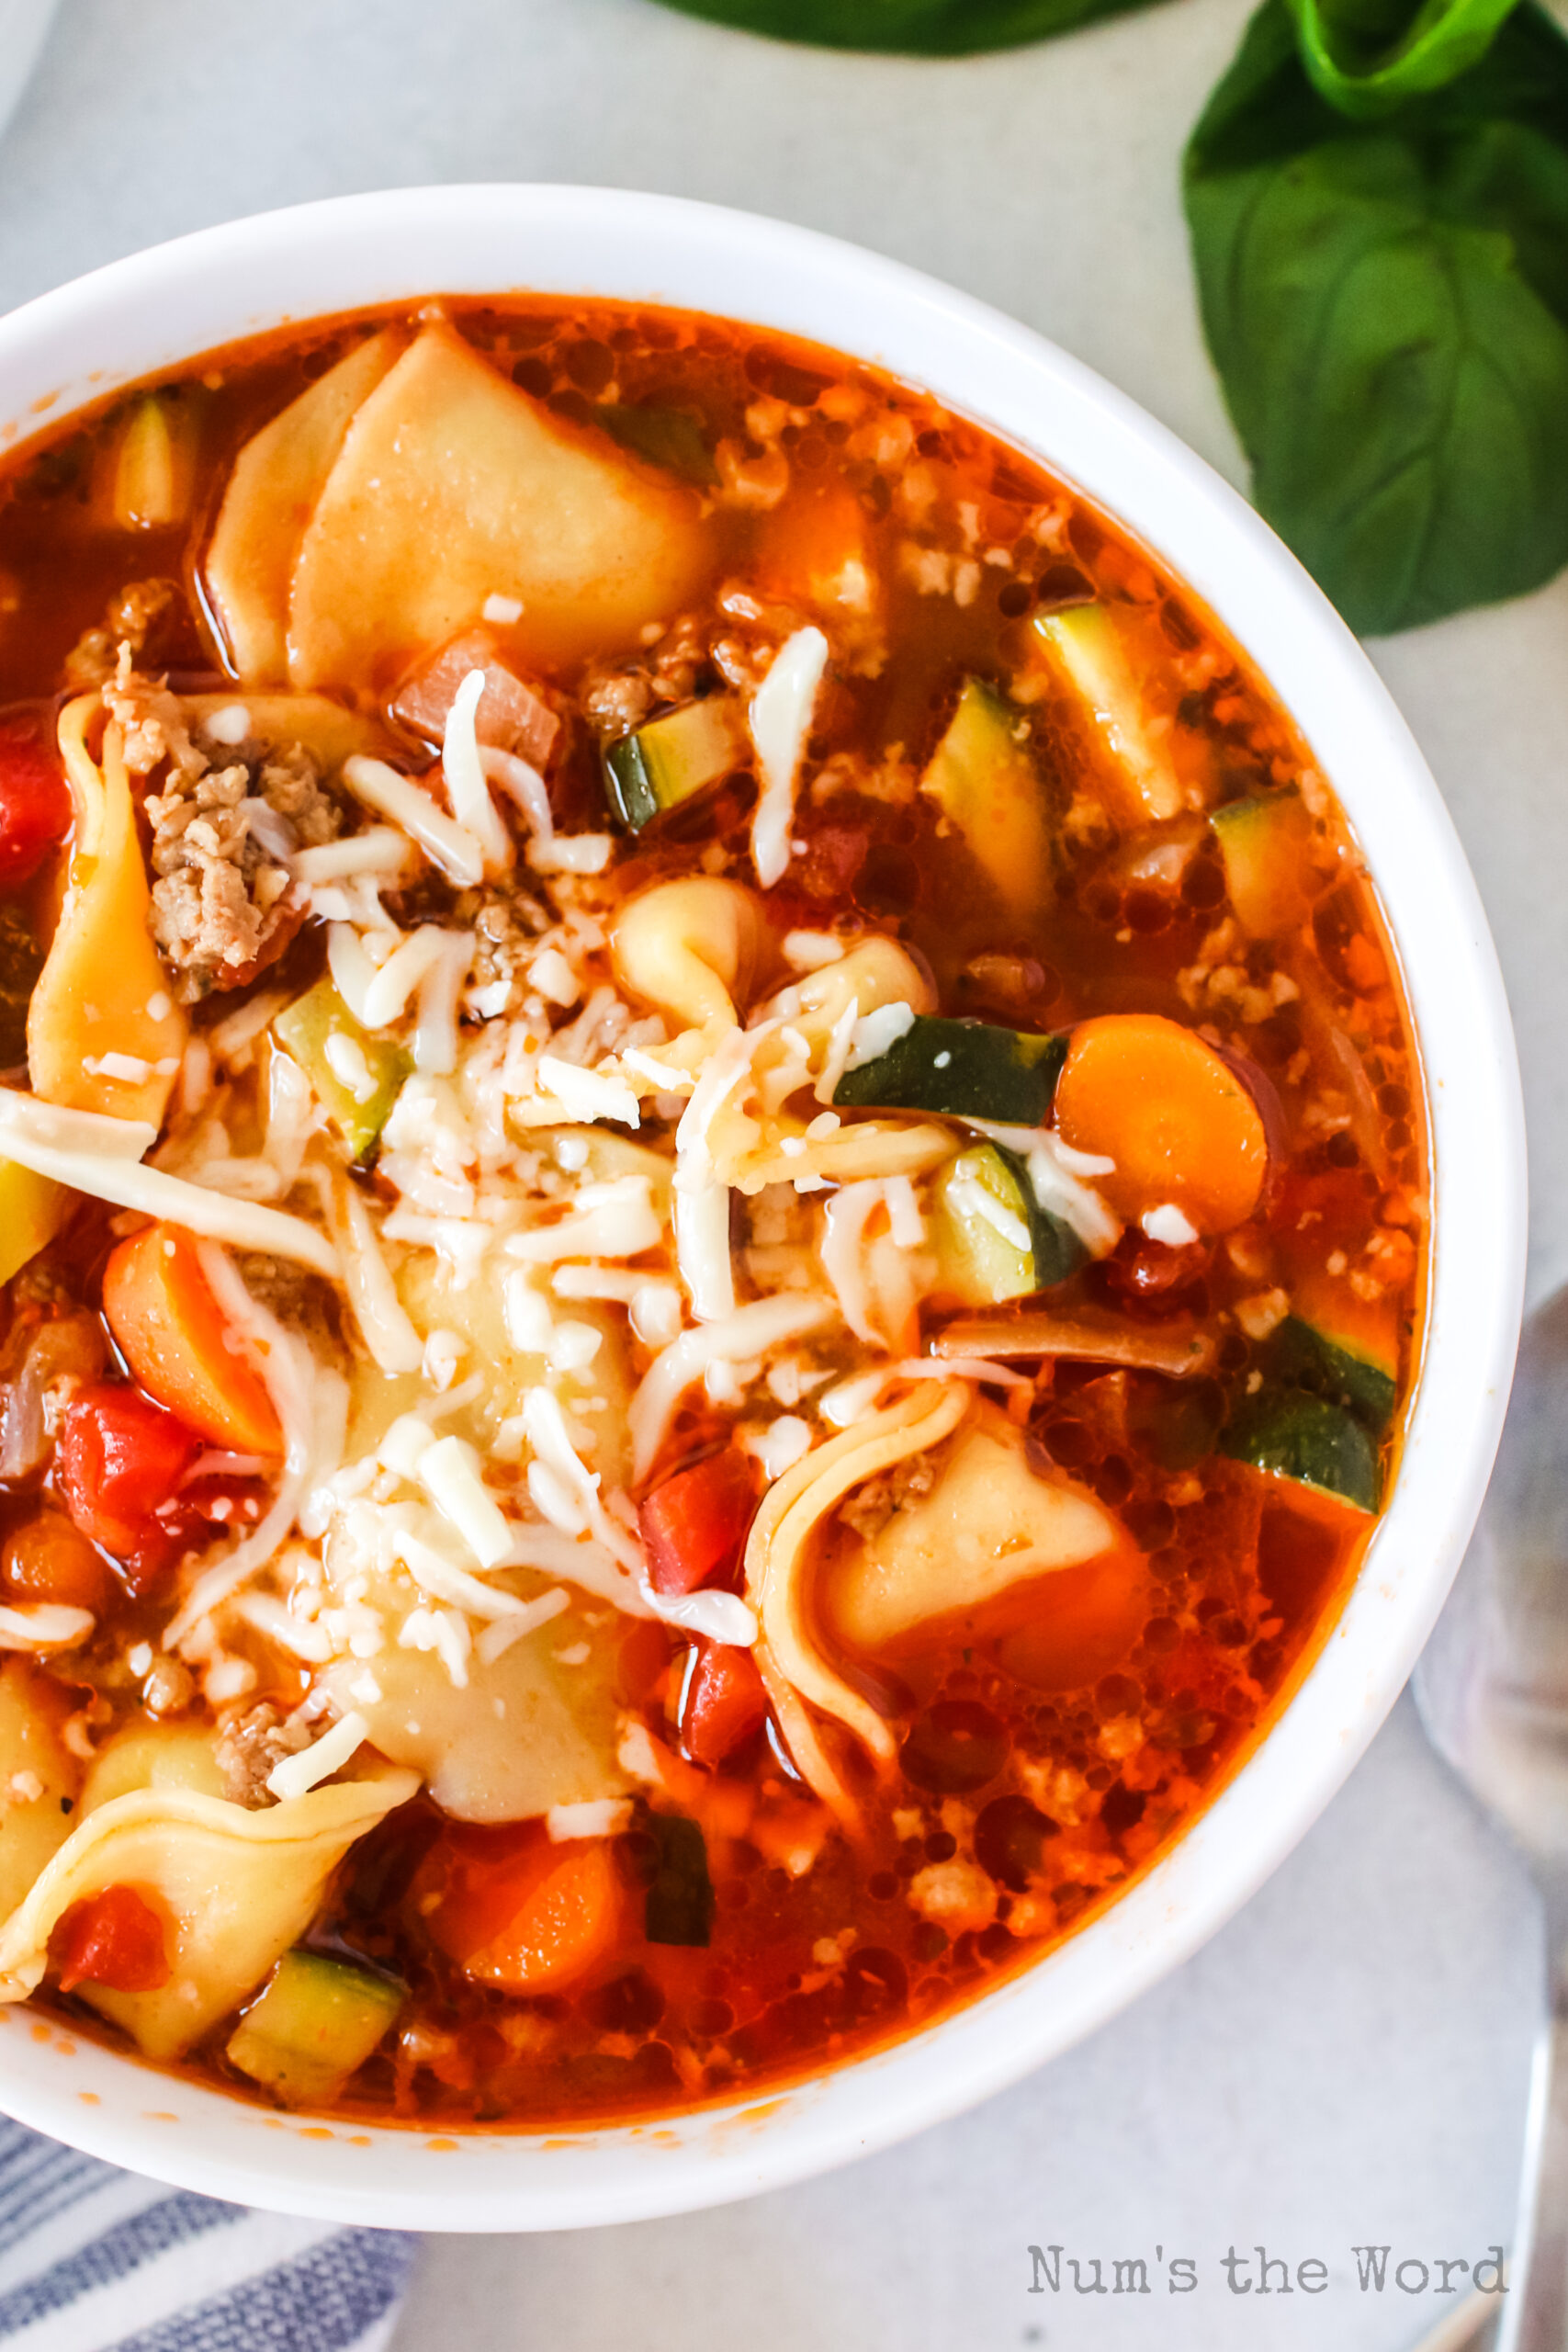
column 1058, row 1791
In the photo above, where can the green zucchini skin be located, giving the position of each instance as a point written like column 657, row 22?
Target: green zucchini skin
column 671, row 758
column 680, row 1902
column 1299, row 1436
column 315, row 2022
column 962, row 1070
column 1303, row 1357
column 982, row 1265
column 1055, row 1247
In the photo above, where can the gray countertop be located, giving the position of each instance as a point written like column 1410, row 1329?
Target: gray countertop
column 1346, row 2064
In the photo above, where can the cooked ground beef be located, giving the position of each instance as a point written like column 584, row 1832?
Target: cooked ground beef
column 140, row 615
column 619, row 699
column 250, row 1746
column 506, row 922
column 221, row 904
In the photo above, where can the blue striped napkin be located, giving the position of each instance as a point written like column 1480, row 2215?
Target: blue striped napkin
column 91, row 2257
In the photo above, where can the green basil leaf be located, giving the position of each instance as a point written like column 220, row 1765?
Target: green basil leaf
column 1358, row 69
column 909, row 28
column 1387, row 307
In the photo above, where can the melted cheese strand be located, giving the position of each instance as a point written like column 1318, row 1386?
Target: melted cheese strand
column 780, row 719
column 111, row 1175
column 461, row 764
column 448, row 844
column 750, row 1331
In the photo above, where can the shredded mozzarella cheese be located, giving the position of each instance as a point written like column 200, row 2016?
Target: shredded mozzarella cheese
column 586, row 1096
column 446, row 844
column 1169, row 1224
column 43, row 1625
column 750, row 1331
column 702, row 1251
column 311, row 1405
column 460, row 763
column 27, row 1127
column 614, row 1221
column 717, row 1616
column 449, row 1473
column 391, row 1339
column 379, row 850
column 526, row 787
column 295, row 1774
column 780, row 719
column 874, row 1031
column 596, row 1817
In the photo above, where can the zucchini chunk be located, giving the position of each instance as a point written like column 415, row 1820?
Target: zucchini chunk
column 673, row 758
column 1086, row 652
column 983, row 777
column 680, row 1895
column 965, row 1069
column 316, row 2022
column 308, row 1030
column 1264, row 845
column 1300, row 1436
column 994, row 1240
column 1310, row 1356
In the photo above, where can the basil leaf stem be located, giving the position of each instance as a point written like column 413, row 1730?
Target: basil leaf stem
column 1358, row 71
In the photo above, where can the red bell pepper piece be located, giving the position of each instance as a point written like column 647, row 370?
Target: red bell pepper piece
column 115, row 1940
column 723, row 1704
column 35, row 802
column 121, row 1461
column 695, row 1523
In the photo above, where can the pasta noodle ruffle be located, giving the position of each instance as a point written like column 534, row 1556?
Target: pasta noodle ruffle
column 235, row 1890
column 104, row 1033
column 776, row 1571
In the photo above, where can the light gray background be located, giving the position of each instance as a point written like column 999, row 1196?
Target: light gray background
column 1347, row 2061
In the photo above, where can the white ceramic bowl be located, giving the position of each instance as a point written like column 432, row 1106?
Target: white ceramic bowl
column 156, row 311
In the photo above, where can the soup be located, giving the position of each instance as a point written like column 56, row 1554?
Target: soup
column 714, row 1214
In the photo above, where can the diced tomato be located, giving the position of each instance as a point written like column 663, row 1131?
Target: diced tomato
column 35, row 802
column 115, row 1940
column 695, row 1523
column 121, row 1461
column 723, row 1703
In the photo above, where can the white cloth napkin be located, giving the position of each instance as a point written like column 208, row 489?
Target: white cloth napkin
column 91, row 2257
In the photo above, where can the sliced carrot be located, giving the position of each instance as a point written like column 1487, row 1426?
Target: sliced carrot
column 1084, row 1622
column 521, row 1912
column 160, row 1306
column 1171, row 1112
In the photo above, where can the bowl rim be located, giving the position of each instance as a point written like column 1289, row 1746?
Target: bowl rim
column 178, row 301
